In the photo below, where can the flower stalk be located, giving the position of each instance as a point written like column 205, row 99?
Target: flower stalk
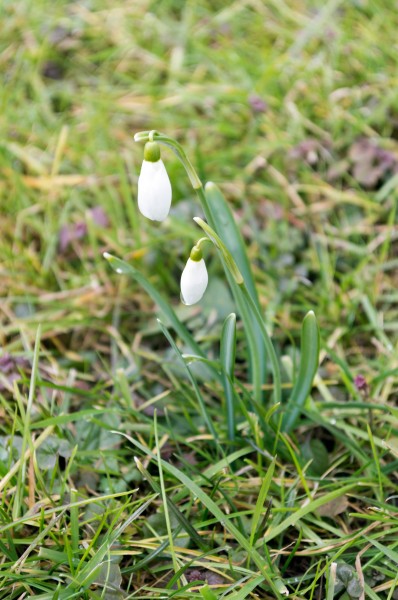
column 145, row 136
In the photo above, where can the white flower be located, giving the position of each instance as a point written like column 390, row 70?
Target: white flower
column 154, row 188
column 194, row 281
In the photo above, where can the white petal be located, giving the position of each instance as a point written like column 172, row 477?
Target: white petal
column 194, row 281
column 154, row 191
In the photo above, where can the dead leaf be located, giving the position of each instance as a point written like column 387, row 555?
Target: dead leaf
column 334, row 507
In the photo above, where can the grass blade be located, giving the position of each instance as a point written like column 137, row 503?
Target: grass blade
column 260, row 501
column 212, row 507
column 191, row 378
column 165, row 499
column 309, row 508
column 185, row 524
column 246, row 589
column 88, row 573
column 26, row 440
column 207, row 593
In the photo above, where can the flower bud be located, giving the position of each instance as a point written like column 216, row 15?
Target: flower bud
column 154, row 188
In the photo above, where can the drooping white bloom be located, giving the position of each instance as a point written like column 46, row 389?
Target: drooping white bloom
column 194, row 281
column 154, row 187
column 154, row 190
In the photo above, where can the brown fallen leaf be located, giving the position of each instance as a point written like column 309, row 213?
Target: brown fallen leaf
column 334, row 507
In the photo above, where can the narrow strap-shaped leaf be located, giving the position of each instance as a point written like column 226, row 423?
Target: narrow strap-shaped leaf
column 231, row 235
column 309, row 361
column 224, row 223
column 227, row 359
column 122, row 267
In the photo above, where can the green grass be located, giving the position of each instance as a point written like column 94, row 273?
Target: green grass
column 138, row 456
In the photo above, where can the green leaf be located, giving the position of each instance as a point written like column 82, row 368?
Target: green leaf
column 225, row 225
column 307, row 370
column 109, row 579
column 227, row 359
column 49, row 450
column 232, row 237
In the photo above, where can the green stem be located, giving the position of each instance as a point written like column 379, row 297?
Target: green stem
column 205, row 205
column 155, row 136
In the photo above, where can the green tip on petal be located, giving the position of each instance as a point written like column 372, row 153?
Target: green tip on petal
column 196, row 254
column 152, row 152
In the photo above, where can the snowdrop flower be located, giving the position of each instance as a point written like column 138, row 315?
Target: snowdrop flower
column 194, row 277
column 154, row 188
